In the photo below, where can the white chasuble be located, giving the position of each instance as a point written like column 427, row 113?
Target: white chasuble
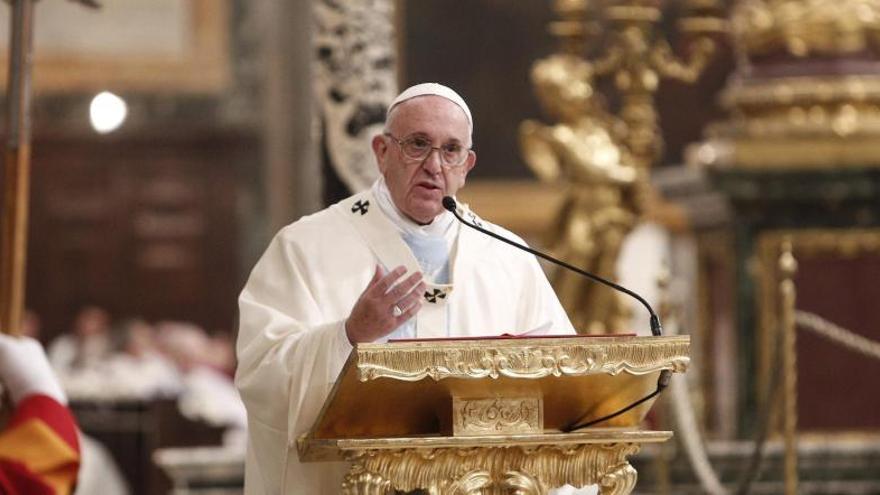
column 292, row 343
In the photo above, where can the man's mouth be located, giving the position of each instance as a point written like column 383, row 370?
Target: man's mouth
column 429, row 186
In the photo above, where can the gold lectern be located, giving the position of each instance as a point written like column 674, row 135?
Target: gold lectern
column 486, row 415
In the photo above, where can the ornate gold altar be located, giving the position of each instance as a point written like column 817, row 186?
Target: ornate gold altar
column 486, row 416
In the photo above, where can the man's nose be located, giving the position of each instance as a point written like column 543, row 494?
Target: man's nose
column 433, row 163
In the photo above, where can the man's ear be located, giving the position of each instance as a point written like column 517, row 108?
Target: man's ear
column 468, row 165
column 470, row 162
column 380, row 149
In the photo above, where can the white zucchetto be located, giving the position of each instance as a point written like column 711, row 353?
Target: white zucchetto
column 432, row 89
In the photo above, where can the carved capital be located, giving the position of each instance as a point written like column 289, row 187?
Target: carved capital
column 476, row 470
column 360, row 481
column 471, row 483
column 620, row 481
column 521, row 483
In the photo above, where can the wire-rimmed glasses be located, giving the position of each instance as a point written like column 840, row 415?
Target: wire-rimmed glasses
column 419, row 148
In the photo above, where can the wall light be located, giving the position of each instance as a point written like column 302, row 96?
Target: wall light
column 107, row 112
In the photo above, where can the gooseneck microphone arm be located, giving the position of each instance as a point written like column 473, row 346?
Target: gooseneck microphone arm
column 656, row 328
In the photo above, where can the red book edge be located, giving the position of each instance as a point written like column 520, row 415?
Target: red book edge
column 507, row 336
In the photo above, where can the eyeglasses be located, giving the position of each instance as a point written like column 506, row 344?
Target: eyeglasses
column 419, row 148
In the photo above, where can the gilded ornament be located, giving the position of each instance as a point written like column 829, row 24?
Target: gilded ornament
column 772, row 118
column 806, row 28
column 604, row 159
column 583, row 150
column 493, row 470
column 806, row 93
column 564, row 357
column 499, row 415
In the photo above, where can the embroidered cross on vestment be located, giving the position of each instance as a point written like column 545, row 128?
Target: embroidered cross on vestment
column 361, row 206
column 432, row 297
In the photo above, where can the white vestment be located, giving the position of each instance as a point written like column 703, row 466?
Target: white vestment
column 292, row 344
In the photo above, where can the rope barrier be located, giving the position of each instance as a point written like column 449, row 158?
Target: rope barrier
column 837, row 334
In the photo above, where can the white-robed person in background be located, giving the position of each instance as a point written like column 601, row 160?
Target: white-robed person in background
column 386, row 263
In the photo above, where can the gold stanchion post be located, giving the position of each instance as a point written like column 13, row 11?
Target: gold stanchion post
column 788, row 267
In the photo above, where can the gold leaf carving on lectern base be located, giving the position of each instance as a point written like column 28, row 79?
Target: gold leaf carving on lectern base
column 492, row 470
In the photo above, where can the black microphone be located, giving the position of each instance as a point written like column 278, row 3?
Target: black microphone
column 656, row 328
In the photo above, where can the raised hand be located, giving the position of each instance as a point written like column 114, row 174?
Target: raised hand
column 385, row 304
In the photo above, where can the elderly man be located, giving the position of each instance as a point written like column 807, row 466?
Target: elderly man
column 383, row 264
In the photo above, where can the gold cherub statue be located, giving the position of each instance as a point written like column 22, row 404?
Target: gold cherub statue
column 599, row 211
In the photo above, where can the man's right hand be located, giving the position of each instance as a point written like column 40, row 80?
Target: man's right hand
column 374, row 314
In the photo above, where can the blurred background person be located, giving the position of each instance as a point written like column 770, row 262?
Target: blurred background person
column 136, row 367
column 207, row 393
column 87, row 343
